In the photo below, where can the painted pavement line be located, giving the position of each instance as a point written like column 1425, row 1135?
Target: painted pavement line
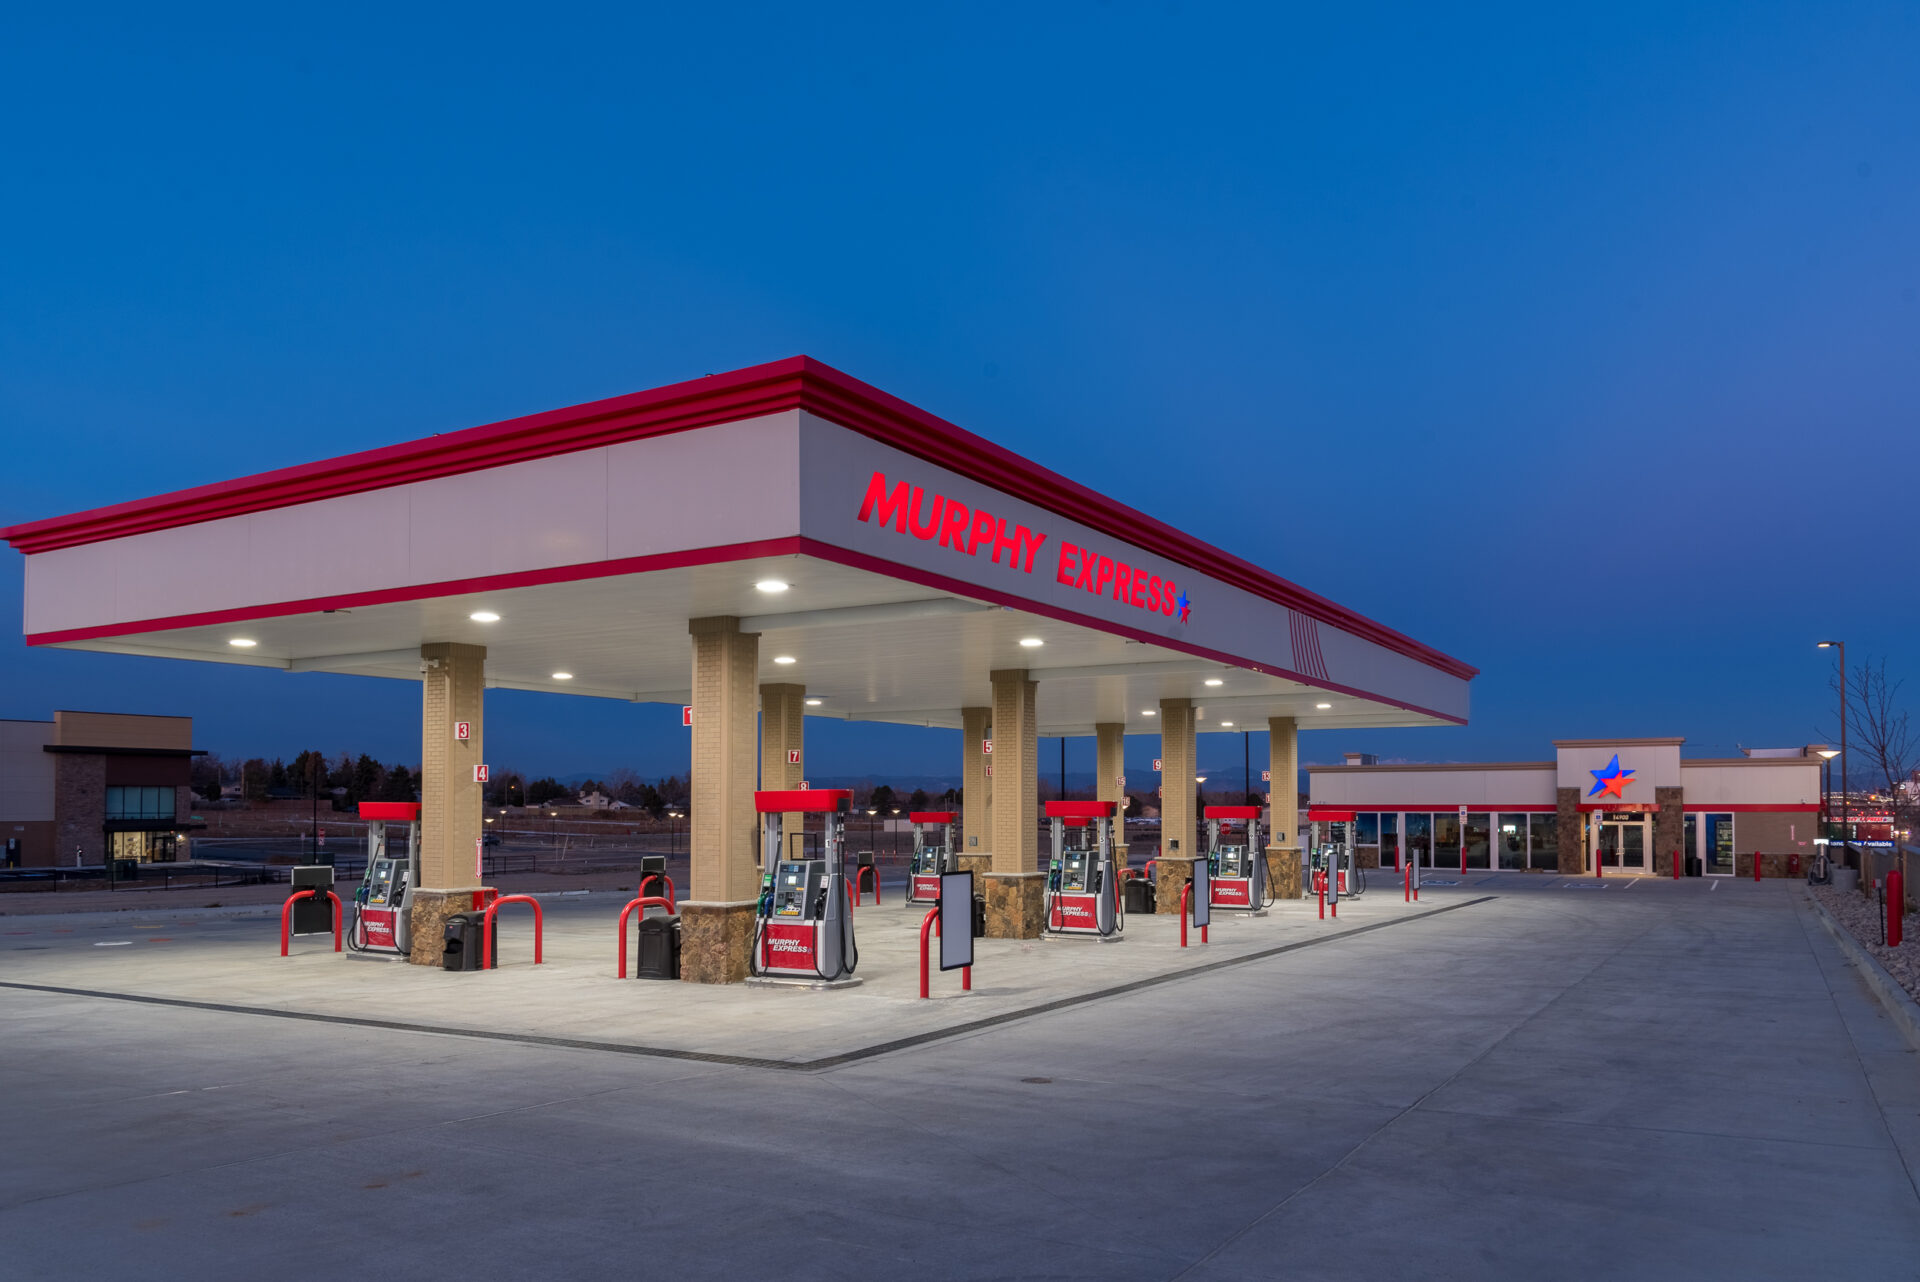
column 748, row 1061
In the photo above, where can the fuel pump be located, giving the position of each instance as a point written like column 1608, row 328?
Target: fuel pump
column 933, row 854
column 1082, row 895
column 1332, row 852
column 803, row 927
column 383, row 902
column 1236, row 863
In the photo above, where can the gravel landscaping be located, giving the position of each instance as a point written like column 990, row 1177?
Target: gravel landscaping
column 1861, row 915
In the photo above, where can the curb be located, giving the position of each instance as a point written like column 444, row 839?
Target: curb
column 1900, row 1005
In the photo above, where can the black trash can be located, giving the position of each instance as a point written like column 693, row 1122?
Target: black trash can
column 1693, row 866
column 979, row 916
column 659, row 947
column 461, row 949
column 1139, row 895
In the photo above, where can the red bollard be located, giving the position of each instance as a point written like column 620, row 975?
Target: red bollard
column 1676, row 865
column 1756, row 865
column 1406, row 885
column 1320, row 884
column 1896, row 904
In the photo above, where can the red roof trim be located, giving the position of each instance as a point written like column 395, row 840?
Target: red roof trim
column 930, row 816
column 407, row 810
column 1232, row 812
column 798, row 382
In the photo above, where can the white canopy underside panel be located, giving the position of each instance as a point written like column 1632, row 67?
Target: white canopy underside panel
column 869, row 646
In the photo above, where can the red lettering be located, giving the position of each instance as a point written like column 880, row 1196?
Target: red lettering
column 1153, row 593
column 1139, row 594
column 886, row 507
column 982, row 530
column 933, row 518
column 953, row 528
column 1064, row 572
column 1106, row 576
column 1029, row 548
column 1089, row 565
column 1122, row 581
column 1002, row 540
column 1168, row 593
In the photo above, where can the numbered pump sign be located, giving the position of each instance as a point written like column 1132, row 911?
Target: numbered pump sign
column 956, row 920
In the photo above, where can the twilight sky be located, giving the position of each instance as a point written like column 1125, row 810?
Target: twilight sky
column 1581, row 341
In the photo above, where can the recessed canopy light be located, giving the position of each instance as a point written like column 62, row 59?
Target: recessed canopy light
column 1031, row 642
column 1226, row 725
column 484, row 616
column 784, row 659
column 1148, row 712
column 772, row 585
column 814, row 703
column 1215, row 681
column 563, row 676
column 243, row 643
column 1323, row 706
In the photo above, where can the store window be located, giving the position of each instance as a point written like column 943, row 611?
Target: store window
column 1420, row 840
column 1720, row 845
column 1368, row 825
column 1389, row 840
column 140, row 803
column 1479, row 839
column 1510, row 839
column 1544, row 833
column 1446, row 840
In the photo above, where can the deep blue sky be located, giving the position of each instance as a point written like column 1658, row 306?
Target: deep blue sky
column 1579, row 341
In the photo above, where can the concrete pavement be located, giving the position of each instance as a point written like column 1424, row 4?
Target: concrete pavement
column 1649, row 1080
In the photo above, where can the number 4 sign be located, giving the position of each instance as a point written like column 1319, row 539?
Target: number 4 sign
column 479, row 774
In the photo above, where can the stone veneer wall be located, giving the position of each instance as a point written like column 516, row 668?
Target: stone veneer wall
column 1669, row 829
column 716, row 941
column 1016, row 905
column 1573, row 850
column 1283, row 871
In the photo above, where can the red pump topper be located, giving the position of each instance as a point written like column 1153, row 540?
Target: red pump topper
column 933, row 854
column 1236, row 865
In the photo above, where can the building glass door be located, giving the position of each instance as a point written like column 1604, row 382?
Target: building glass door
column 1420, row 839
column 1622, row 842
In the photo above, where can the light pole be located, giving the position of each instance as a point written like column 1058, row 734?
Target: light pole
column 893, row 846
column 1846, row 857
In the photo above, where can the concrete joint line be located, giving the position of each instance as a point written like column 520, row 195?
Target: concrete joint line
column 1901, row 1007
column 750, row 1061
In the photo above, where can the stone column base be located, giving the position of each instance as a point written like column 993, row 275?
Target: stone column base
column 978, row 865
column 427, row 913
column 1171, row 873
column 716, row 940
column 1283, row 871
column 1016, row 904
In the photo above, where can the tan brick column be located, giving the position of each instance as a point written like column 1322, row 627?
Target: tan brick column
column 1178, row 811
column 452, row 689
column 976, row 796
column 783, row 756
column 716, row 917
column 1283, row 818
column 1110, row 763
column 1015, row 886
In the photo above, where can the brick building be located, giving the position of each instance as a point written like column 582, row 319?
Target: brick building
column 89, row 785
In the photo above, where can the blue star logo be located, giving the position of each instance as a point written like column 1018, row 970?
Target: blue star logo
column 1183, row 603
column 1611, row 781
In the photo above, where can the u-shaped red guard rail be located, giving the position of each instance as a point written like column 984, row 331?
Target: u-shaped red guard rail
column 856, row 883
column 642, row 903
column 931, row 925
column 286, row 915
column 486, row 928
column 641, row 889
column 1186, row 900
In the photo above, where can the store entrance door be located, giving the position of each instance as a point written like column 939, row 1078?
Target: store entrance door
column 1622, row 843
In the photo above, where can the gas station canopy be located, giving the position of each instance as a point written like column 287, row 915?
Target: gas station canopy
column 890, row 561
